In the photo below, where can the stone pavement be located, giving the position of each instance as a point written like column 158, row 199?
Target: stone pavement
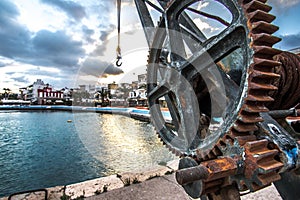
column 154, row 184
column 159, row 188
column 166, row 188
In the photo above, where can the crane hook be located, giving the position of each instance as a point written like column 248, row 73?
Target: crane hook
column 118, row 62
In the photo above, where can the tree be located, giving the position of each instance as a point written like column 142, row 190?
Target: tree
column 6, row 92
column 78, row 96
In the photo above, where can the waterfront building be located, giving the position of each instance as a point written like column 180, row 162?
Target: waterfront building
column 41, row 93
column 112, row 87
column 23, row 93
column 101, row 97
column 134, row 85
column 142, row 79
column 47, row 95
column 138, row 94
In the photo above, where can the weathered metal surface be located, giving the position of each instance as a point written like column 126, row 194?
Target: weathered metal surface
column 192, row 174
column 198, row 180
column 260, row 71
column 288, row 93
column 207, row 170
column 282, row 139
column 288, row 186
column 250, row 148
column 193, row 188
column 280, row 114
column 146, row 20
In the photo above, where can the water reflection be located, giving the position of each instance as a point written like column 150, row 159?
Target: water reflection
column 124, row 144
column 41, row 149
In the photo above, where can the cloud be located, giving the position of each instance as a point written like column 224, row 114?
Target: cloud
column 10, row 73
column 289, row 41
column 205, row 26
column 56, row 48
column 8, row 9
column 107, row 30
column 2, row 64
column 14, row 37
column 282, row 5
column 20, row 79
column 44, row 48
column 88, row 33
column 72, row 9
column 100, row 48
column 95, row 67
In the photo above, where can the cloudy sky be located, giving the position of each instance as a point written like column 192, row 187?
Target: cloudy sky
column 69, row 42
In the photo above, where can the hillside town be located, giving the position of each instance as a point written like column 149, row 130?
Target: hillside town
column 113, row 94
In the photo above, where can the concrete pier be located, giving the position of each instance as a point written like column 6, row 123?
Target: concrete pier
column 150, row 184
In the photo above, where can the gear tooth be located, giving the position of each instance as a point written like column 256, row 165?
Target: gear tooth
column 178, row 154
column 172, row 150
column 260, row 15
column 244, row 128
column 265, row 153
column 255, row 5
column 269, row 178
column 258, row 144
column 258, row 155
column 246, row 117
column 210, row 156
column 265, row 62
column 254, row 108
column 216, row 151
column 242, row 138
column 265, row 39
column 263, row 27
column 264, row 75
column 262, row 1
column 262, row 86
column 259, row 98
column 254, row 186
column 247, row 1
column 265, row 51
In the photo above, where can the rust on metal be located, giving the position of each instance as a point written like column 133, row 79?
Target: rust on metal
column 207, row 171
column 220, row 168
column 188, row 175
column 288, row 94
column 261, row 160
column 240, row 157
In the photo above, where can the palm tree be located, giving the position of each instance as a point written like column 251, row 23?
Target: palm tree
column 6, row 92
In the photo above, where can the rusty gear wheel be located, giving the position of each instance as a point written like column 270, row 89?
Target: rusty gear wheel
column 237, row 59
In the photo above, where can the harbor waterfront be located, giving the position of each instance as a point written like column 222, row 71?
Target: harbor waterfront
column 43, row 147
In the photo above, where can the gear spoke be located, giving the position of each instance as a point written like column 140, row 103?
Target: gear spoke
column 189, row 119
column 173, row 112
column 176, row 44
column 216, row 49
column 159, row 91
column 189, row 26
column 219, row 19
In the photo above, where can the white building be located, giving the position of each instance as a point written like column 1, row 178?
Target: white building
column 39, row 92
column 31, row 92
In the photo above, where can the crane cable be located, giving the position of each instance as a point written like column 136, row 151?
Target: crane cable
column 118, row 50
